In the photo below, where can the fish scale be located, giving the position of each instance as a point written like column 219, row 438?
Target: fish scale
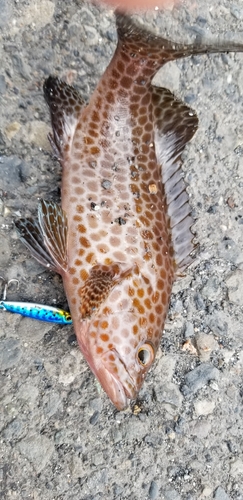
column 123, row 232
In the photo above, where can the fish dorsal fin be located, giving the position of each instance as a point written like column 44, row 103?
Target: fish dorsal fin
column 175, row 125
column 65, row 105
column 30, row 234
column 54, row 227
column 97, row 286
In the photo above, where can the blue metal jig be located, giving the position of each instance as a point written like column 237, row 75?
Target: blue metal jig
column 34, row 311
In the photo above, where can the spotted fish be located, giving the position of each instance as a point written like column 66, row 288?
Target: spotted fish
column 123, row 231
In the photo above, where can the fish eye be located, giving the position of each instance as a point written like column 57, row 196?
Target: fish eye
column 145, row 355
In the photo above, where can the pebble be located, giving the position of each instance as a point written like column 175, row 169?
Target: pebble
column 2, row 85
column 236, row 12
column 217, row 324
column 10, row 353
column 52, row 404
column 235, row 287
column 220, row 494
column 70, row 367
column 205, row 345
column 204, row 407
column 153, row 490
column 36, row 133
column 230, row 251
column 38, row 450
column 5, row 9
column 212, row 289
column 170, row 494
column 236, row 468
column 16, row 429
column 38, row 16
column 189, row 330
column 201, row 429
column 11, row 130
column 199, row 377
column 169, row 394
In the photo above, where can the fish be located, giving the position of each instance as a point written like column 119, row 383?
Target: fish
column 122, row 234
column 40, row 312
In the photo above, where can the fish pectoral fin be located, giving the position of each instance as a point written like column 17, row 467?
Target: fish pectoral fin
column 65, row 105
column 30, row 234
column 175, row 124
column 54, row 228
column 97, row 286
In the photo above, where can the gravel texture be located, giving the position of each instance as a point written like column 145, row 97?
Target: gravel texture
column 60, row 436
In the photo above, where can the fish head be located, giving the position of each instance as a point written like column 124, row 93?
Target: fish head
column 120, row 341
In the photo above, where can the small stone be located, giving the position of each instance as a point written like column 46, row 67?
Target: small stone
column 2, row 84
column 211, row 290
column 189, row 330
column 95, row 417
column 201, row 429
column 170, row 494
column 153, row 490
column 36, row 133
column 38, row 450
column 217, row 324
column 12, row 129
column 235, row 287
column 229, row 250
column 52, row 404
column 189, row 347
column 70, row 368
column 169, row 394
column 205, row 345
column 236, row 12
column 236, row 469
column 204, row 407
column 199, row 377
column 5, row 9
column 39, row 15
column 166, row 365
column 220, row 494
column 10, row 353
column 14, row 430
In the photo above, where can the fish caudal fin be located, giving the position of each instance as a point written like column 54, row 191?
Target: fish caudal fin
column 47, row 238
column 65, row 105
column 151, row 51
column 175, row 124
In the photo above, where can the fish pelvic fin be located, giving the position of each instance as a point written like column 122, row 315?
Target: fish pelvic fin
column 152, row 51
column 65, row 105
column 175, row 125
column 97, row 286
column 31, row 236
column 46, row 238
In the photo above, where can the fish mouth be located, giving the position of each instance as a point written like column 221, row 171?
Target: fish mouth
column 120, row 387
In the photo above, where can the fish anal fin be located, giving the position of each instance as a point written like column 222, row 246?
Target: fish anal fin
column 100, row 282
column 54, row 228
column 65, row 105
column 175, row 124
column 31, row 236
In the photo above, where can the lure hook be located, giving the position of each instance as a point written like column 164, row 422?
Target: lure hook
column 6, row 285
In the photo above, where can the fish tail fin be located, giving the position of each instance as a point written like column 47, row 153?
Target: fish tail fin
column 152, row 51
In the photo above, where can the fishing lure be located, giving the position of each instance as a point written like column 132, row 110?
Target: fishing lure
column 35, row 311
column 122, row 234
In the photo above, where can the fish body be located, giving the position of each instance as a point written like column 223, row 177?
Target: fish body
column 37, row 311
column 123, row 231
